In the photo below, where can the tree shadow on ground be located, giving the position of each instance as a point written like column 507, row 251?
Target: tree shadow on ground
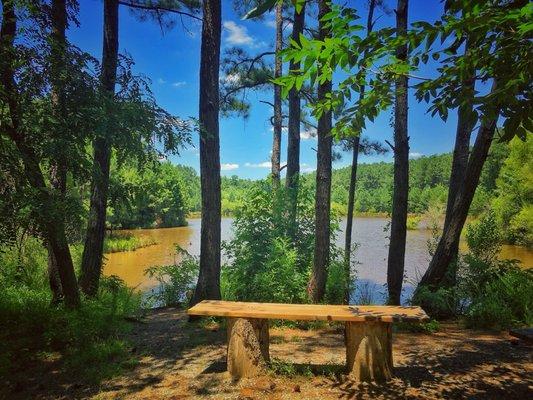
column 166, row 341
column 487, row 369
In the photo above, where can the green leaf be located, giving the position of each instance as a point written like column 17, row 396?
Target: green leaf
column 262, row 8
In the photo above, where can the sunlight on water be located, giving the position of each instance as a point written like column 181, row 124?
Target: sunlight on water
column 371, row 254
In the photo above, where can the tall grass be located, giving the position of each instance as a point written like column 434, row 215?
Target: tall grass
column 90, row 341
column 117, row 242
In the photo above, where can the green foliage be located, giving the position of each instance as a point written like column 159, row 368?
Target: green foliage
column 500, row 30
column 513, row 205
column 505, row 301
column 263, row 265
column 176, row 281
column 119, row 241
column 147, row 197
column 413, row 221
column 88, row 338
column 488, row 292
column 442, row 303
column 418, row 327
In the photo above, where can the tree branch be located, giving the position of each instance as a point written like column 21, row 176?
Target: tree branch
column 391, row 146
column 158, row 9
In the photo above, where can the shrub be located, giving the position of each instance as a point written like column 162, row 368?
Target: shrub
column 118, row 241
column 483, row 238
column 504, row 301
column 88, row 338
column 263, row 264
column 413, row 221
column 176, row 281
column 487, row 292
column 270, row 258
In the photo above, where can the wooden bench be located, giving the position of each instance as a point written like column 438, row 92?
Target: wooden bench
column 368, row 333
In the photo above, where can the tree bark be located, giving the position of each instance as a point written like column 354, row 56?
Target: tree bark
column 396, row 259
column 278, row 119
column 248, row 347
column 317, row 284
column 58, row 167
column 452, row 231
column 91, row 266
column 46, row 209
column 461, row 148
column 353, row 176
column 349, row 215
column 293, row 139
column 208, row 286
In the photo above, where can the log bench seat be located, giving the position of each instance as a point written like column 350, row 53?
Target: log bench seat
column 368, row 333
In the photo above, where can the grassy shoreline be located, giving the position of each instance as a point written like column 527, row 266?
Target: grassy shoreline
column 117, row 242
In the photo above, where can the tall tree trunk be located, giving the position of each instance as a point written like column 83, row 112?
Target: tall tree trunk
column 317, row 284
column 461, row 148
column 58, row 167
column 278, row 119
column 452, row 231
column 349, row 215
column 91, row 265
column 396, row 259
column 353, row 177
column 208, row 286
column 293, row 139
column 46, row 208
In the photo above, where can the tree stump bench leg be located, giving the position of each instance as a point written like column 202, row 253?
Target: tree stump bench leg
column 248, row 347
column 369, row 351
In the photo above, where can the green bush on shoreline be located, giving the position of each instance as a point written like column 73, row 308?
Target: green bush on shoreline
column 90, row 341
column 119, row 241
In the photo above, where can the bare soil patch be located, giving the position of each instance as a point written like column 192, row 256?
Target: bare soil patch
column 181, row 360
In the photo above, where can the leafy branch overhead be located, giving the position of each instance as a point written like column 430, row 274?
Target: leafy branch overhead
column 502, row 33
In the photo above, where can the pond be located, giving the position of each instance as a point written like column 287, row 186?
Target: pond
column 369, row 233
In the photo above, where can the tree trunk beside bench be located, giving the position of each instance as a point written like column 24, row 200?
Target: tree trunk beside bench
column 248, row 347
column 369, row 351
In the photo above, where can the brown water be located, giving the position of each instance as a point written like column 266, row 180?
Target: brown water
column 369, row 233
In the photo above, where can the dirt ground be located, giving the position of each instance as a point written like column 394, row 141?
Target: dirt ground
column 180, row 360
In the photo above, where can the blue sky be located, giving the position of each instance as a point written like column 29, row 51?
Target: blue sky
column 171, row 61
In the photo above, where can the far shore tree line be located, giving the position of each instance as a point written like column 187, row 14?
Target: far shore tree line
column 77, row 129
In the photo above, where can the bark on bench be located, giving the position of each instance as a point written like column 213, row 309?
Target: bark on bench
column 368, row 333
column 369, row 351
column 248, row 347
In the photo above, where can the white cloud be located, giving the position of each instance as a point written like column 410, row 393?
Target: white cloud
column 161, row 81
column 304, row 135
column 308, row 134
column 415, row 155
column 237, row 34
column 266, row 164
column 306, row 168
column 179, row 84
column 271, row 23
column 231, row 78
column 228, row 167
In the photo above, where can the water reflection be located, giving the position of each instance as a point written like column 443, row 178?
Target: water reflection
column 369, row 233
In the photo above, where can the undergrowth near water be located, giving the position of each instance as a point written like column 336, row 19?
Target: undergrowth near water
column 88, row 341
column 488, row 292
column 117, row 242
